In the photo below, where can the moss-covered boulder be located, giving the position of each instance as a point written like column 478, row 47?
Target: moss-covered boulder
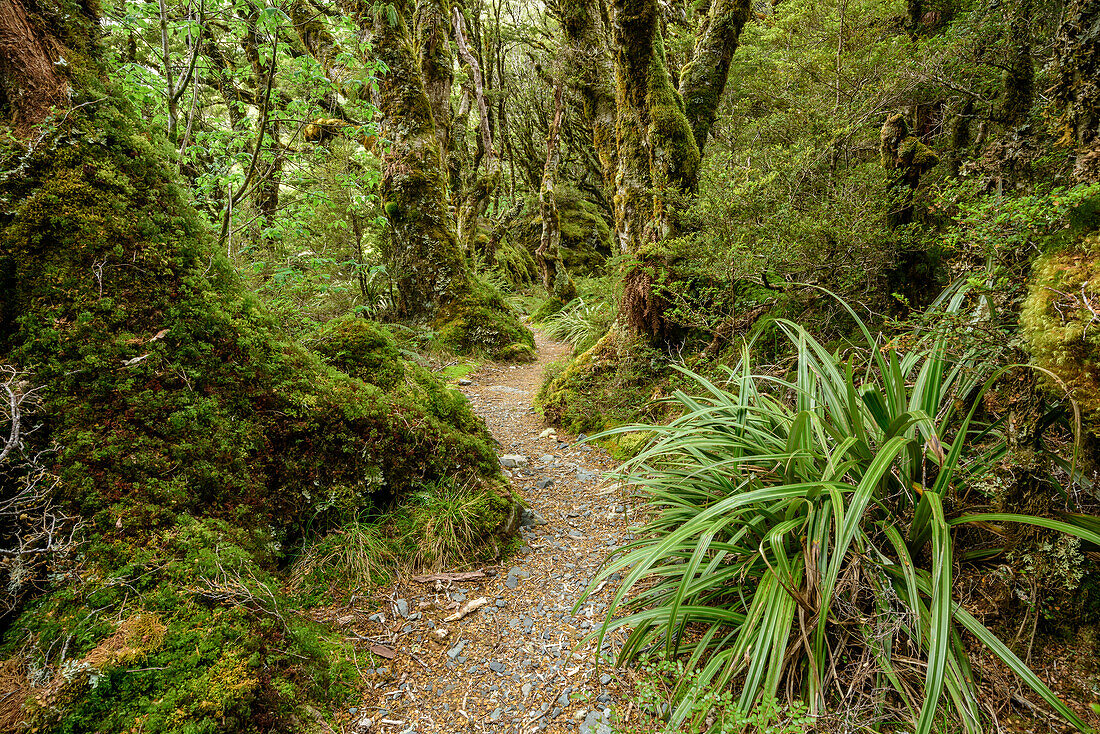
column 362, row 349
column 585, row 233
column 482, row 322
column 611, row 383
column 1060, row 321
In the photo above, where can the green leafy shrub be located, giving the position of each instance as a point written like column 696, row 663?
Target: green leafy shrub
column 801, row 523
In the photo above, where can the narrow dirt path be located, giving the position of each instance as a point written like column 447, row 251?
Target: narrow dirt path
column 513, row 665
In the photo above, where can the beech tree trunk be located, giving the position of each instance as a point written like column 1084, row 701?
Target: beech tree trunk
column 432, row 23
column 29, row 81
column 427, row 265
column 587, row 28
column 555, row 278
column 704, row 79
column 655, row 153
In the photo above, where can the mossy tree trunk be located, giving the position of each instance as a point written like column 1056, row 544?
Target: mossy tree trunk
column 427, row 264
column 907, row 159
column 659, row 131
column 658, row 161
column 432, row 23
column 555, row 278
column 704, row 79
column 1076, row 91
column 587, row 28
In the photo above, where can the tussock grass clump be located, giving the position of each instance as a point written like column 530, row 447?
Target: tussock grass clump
column 579, row 323
column 357, row 556
column 444, row 522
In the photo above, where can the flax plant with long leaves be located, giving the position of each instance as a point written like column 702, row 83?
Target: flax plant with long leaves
column 800, row 544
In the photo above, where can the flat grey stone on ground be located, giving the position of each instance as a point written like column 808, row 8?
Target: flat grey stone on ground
column 511, row 461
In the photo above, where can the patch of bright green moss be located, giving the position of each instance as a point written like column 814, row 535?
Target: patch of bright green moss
column 1059, row 322
column 362, row 349
column 612, row 383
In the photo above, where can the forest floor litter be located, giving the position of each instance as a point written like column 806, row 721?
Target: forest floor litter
column 499, row 649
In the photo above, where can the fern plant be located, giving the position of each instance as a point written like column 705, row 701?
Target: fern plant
column 801, row 546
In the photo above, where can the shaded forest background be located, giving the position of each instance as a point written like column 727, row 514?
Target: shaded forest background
column 245, row 246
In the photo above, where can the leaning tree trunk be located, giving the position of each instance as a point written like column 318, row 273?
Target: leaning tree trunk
column 704, row 78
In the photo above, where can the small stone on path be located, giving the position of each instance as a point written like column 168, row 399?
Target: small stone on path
column 511, row 461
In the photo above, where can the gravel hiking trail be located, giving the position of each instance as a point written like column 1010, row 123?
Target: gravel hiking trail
column 513, row 664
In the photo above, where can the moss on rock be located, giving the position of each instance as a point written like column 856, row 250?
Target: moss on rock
column 482, row 322
column 361, row 349
column 1059, row 321
column 609, row 384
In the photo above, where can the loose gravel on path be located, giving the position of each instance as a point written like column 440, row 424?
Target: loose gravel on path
column 514, row 664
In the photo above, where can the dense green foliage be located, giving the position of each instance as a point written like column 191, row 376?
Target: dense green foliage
column 236, row 252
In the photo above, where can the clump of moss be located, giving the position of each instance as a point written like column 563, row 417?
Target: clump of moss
column 611, row 383
column 208, row 642
column 546, row 309
column 1059, row 320
column 482, row 322
column 362, row 349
